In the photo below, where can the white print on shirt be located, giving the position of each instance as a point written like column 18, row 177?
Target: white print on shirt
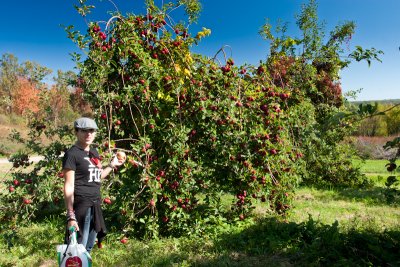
column 95, row 173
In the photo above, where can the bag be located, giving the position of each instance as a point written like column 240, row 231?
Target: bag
column 73, row 254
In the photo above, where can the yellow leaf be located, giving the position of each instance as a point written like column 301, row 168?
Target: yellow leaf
column 177, row 68
column 187, row 72
column 189, row 58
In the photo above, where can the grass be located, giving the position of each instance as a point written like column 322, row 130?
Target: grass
column 347, row 206
column 371, row 166
column 327, row 227
column 376, row 171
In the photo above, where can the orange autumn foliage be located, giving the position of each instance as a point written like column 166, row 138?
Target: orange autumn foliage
column 58, row 99
column 79, row 104
column 25, row 97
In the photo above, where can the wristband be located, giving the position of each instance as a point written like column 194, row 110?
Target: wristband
column 71, row 215
column 71, row 218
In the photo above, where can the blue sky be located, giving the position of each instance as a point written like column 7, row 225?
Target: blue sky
column 31, row 31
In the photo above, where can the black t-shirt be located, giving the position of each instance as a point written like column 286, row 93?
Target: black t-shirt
column 87, row 174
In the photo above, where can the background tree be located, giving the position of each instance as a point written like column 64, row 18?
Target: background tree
column 25, row 98
column 9, row 74
column 392, row 119
column 55, row 102
column 16, row 78
column 79, row 104
column 314, row 78
column 34, row 72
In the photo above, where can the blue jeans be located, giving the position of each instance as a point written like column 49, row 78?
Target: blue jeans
column 88, row 233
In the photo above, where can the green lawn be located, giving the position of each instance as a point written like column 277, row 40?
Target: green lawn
column 374, row 166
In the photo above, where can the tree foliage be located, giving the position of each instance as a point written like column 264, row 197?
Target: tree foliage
column 25, row 98
column 8, row 80
column 194, row 129
column 24, row 92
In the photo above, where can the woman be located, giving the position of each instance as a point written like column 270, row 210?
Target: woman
column 83, row 173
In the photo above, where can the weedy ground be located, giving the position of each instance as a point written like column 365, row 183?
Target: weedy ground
column 327, row 227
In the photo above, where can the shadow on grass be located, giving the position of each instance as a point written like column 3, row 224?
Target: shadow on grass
column 274, row 243
column 374, row 195
column 370, row 194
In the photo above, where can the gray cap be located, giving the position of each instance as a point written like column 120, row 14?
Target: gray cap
column 85, row 123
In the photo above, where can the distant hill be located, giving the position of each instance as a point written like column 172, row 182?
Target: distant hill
column 385, row 102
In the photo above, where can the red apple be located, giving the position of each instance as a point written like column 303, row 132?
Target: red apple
column 121, row 156
column 27, row 201
column 107, row 200
column 260, row 70
column 134, row 163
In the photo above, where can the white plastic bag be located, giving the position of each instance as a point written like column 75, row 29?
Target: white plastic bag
column 73, row 254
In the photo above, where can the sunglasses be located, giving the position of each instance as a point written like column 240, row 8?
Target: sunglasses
column 87, row 130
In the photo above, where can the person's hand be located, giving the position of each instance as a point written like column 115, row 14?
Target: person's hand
column 118, row 159
column 73, row 223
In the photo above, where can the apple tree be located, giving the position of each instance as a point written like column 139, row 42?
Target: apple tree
column 198, row 133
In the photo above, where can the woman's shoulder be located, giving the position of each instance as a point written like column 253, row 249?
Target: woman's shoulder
column 73, row 150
